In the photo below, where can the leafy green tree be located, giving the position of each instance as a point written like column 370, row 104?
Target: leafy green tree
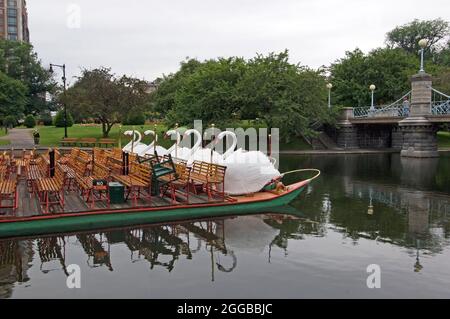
column 389, row 69
column 209, row 93
column 99, row 94
column 135, row 119
column 163, row 99
column 220, row 91
column 288, row 96
column 407, row 36
column 20, row 62
column 13, row 96
column 59, row 119
column 30, row 121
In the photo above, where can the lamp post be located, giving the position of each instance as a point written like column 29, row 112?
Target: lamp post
column 329, row 86
column 422, row 43
column 63, row 67
column 372, row 88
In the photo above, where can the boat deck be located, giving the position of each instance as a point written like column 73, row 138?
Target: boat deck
column 28, row 203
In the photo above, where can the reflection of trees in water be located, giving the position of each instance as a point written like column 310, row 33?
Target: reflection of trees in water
column 15, row 256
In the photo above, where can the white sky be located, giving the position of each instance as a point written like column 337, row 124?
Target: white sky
column 146, row 38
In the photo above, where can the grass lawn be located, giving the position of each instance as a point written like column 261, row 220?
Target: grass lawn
column 2, row 133
column 51, row 135
column 443, row 139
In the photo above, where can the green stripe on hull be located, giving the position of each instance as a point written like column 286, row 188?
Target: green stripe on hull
column 90, row 222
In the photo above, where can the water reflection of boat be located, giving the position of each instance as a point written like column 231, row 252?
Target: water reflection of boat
column 71, row 222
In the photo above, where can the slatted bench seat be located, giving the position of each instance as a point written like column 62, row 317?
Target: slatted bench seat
column 51, row 190
column 87, row 141
column 180, row 180
column 69, row 141
column 106, row 142
column 211, row 176
column 137, row 183
column 89, row 191
column 39, row 169
column 8, row 192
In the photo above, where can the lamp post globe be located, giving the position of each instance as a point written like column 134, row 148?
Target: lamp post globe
column 422, row 43
column 372, row 88
column 329, row 86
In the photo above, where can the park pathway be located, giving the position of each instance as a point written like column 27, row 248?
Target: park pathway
column 19, row 138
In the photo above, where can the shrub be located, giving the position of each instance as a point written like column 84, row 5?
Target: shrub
column 29, row 122
column 135, row 119
column 59, row 119
column 46, row 119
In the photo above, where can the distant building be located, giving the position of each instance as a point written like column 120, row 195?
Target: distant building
column 14, row 20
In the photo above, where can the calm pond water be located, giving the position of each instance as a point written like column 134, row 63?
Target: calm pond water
column 364, row 209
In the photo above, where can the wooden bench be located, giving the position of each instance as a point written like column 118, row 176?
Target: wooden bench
column 68, row 141
column 177, row 181
column 106, row 142
column 38, row 170
column 137, row 183
column 75, row 167
column 211, row 176
column 90, row 192
column 88, row 141
column 8, row 192
column 51, row 190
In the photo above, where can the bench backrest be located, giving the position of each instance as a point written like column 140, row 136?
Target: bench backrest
column 100, row 171
column 141, row 172
column 209, row 170
column 60, row 176
column 217, row 171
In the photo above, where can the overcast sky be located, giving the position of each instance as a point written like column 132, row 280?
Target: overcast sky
column 147, row 38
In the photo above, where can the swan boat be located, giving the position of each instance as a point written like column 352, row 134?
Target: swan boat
column 27, row 217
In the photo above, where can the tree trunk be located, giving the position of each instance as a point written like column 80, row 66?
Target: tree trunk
column 104, row 132
column 108, row 129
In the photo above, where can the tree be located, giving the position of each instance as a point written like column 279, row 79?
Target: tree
column 389, row 69
column 101, row 95
column 13, row 96
column 20, row 62
column 163, row 99
column 59, row 119
column 287, row 96
column 407, row 36
column 29, row 122
column 219, row 91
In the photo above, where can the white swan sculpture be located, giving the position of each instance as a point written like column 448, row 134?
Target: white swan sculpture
column 177, row 151
column 247, row 171
column 150, row 149
column 134, row 146
column 199, row 153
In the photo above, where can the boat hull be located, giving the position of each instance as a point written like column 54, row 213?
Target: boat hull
column 61, row 223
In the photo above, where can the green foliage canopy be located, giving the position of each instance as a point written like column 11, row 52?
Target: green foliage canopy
column 18, row 61
column 98, row 93
column 223, row 90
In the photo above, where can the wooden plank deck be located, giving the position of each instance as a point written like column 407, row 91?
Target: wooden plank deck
column 28, row 204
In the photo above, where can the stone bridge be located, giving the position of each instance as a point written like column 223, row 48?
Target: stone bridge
column 411, row 129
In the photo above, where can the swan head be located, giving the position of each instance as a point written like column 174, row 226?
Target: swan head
column 169, row 133
column 149, row 132
column 130, row 133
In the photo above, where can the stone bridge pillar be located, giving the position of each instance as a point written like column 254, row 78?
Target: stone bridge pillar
column 347, row 133
column 419, row 134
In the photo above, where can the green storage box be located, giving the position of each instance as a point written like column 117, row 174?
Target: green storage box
column 116, row 193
